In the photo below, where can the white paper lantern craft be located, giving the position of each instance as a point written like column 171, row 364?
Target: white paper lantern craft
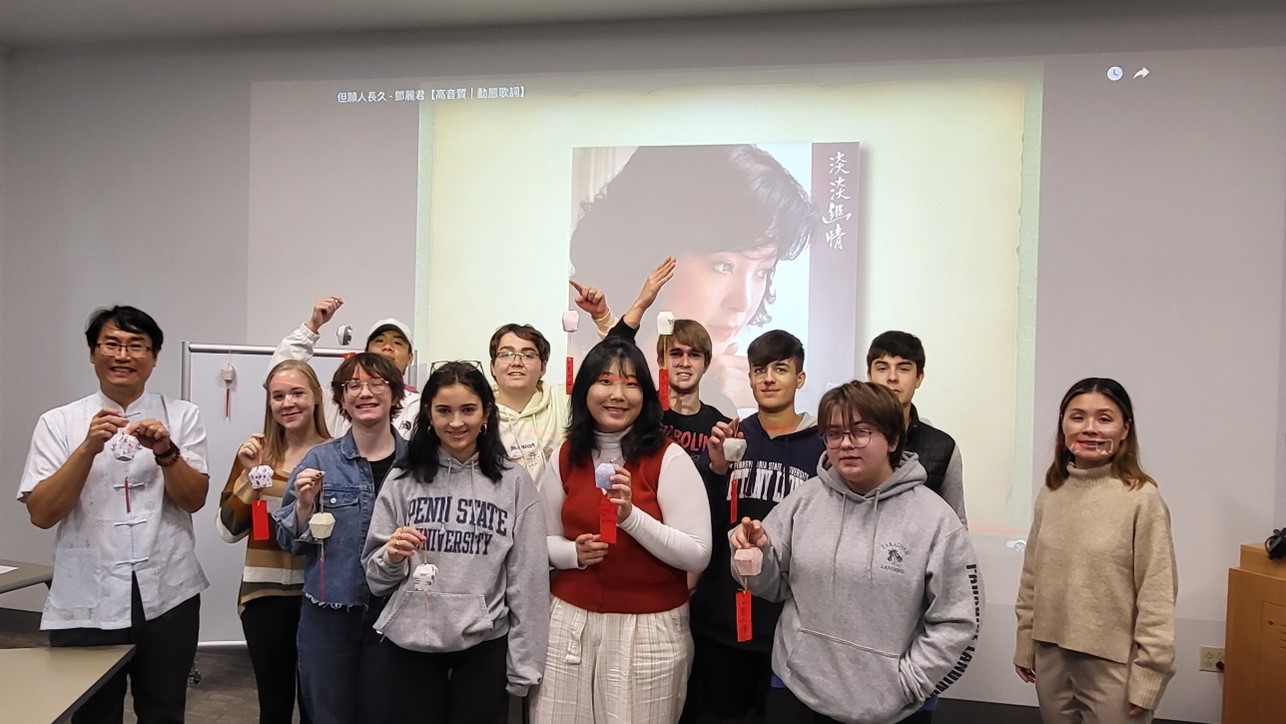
column 423, row 576
column 124, row 447
column 260, row 477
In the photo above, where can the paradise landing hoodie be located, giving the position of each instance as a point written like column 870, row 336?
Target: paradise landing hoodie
column 882, row 593
column 487, row 540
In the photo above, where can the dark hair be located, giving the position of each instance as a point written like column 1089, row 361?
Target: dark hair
column 389, row 328
column 876, row 405
column 128, row 319
column 897, row 344
column 645, row 436
column 522, row 331
column 1125, row 463
column 422, row 449
column 691, row 333
column 375, row 365
column 773, row 345
column 670, row 200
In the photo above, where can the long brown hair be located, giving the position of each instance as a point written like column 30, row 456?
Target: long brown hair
column 1125, row 463
column 274, row 434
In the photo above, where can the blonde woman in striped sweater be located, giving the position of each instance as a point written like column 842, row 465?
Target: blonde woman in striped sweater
column 273, row 579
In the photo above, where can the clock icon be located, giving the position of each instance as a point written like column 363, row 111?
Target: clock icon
column 1114, row 73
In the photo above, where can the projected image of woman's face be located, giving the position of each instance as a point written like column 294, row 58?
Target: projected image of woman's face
column 721, row 290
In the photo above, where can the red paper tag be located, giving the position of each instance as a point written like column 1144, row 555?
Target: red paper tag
column 259, row 519
column 732, row 501
column 744, row 629
column 570, row 379
column 663, row 389
column 607, row 520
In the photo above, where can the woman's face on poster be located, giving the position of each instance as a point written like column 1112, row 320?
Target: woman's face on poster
column 721, row 290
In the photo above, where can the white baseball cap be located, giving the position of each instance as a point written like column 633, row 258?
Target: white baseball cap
column 386, row 324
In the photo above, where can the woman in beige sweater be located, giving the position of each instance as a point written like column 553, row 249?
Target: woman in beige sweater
column 1096, row 602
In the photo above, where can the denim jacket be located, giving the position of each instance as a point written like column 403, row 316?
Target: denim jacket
column 348, row 493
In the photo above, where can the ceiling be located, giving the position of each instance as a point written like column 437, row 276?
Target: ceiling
column 30, row 23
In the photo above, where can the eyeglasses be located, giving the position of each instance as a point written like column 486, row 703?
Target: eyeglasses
column 113, row 348
column 376, row 385
column 526, row 356
column 860, row 436
column 444, row 362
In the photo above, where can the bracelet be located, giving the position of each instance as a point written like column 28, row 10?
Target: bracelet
column 170, row 457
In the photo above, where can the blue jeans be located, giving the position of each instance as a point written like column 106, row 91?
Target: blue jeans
column 341, row 664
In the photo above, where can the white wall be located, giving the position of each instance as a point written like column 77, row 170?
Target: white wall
column 1163, row 286
column 125, row 181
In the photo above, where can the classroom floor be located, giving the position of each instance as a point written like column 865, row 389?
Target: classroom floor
column 226, row 694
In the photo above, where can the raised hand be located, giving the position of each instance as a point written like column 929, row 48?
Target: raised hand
column 590, row 299
column 323, row 311
column 656, row 279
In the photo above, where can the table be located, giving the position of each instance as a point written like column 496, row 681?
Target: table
column 28, row 574
column 1255, row 640
column 48, row 684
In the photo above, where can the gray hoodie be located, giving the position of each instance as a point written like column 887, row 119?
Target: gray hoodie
column 487, row 540
column 882, row 591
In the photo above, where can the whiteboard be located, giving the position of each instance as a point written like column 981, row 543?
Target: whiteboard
column 203, row 386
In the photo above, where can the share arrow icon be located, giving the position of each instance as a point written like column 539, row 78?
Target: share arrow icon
column 1142, row 73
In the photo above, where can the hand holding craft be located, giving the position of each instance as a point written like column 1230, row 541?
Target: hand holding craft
column 402, row 544
column 102, row 427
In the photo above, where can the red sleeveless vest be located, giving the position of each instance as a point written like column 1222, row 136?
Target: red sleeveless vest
column 629, row 579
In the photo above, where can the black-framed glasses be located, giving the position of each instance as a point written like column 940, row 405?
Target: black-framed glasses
column 112, row 348
column 375, row 384
column 526, row 356
column 861, row 436
column 443, row 362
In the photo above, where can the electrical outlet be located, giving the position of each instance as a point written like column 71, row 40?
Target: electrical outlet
column 1211, row 659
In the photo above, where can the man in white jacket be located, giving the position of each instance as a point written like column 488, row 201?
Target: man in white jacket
column 390, row 338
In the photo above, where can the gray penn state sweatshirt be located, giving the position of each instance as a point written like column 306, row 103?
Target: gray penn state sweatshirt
column 882, row 593
column 487, row 540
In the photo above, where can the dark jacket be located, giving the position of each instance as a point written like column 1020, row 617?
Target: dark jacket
column 940, row 457
column 771, row 469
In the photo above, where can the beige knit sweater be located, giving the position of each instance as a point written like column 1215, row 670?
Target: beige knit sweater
column 1099, row 577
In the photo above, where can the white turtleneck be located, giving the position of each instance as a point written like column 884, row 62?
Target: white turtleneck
column 680, row 539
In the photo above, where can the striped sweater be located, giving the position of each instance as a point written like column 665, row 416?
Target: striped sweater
column 269, row 570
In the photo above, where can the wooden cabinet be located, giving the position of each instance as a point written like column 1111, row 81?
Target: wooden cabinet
column 1254, row 683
